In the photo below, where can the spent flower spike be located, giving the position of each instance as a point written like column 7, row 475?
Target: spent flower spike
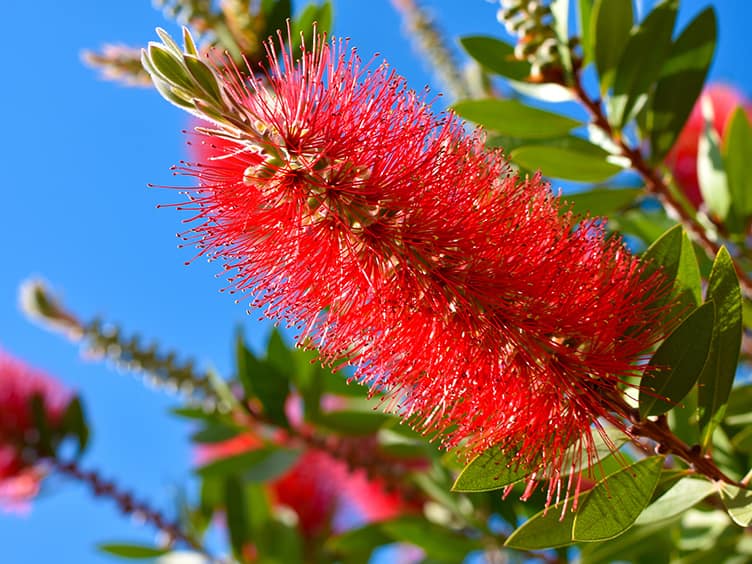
column 397, row 243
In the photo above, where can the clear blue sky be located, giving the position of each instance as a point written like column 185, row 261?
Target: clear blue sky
column 76, row 158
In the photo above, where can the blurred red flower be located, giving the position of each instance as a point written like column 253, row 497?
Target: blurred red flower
column 398, row 244
column 682, row 160
column 318, row 487
column 20, row 475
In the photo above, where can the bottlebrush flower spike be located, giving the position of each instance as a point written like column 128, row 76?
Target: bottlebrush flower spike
column 318, row 487
column 397, row 243
column 20, row 474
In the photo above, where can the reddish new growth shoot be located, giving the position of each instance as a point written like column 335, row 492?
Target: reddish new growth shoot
column 397, row 243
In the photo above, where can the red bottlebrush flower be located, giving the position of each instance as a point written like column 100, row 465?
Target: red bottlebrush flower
column 317, row 487
column 682, row 160
column 395, row 241
column 19, row 475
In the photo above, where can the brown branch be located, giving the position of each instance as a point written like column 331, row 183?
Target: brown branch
column 126, row 502
column 668, row 443
column 655, row 184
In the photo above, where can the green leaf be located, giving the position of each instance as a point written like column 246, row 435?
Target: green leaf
column 257, row 465
column 350, row 422
column 259, row 510
column 610, row 23
column 742, row 441
column 683, row 495
column 615, row 502
column 603, row 202
column 646, row 225
column 266, row 380
column 215, row 434
column 577, row 459
column 359, row 542
column 677, row 364
column 132, row 551
column 439, row 543
column 513, row 118
column 681, row 82
column 237, row 515
column 739, row 407
column 641, row 62
column 490, row 470
column 576, row 165
column 169, row 67
column 711, row 171
column 585, row 11
column 74, row 423
column 641, row 545
column 322, row 15
column 496, row 56
column 203, row 76
column 546, row 529
column 570, row 142
column 737, row 147
column 674, row 254
column 276, row 13
column 717, row 377
column 738, row 503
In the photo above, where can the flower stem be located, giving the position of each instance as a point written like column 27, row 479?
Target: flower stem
column 666, row 442
column 126, row 502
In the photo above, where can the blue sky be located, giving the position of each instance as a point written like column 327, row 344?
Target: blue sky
column 77, row 155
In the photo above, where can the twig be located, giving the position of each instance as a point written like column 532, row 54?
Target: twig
column 126, row 502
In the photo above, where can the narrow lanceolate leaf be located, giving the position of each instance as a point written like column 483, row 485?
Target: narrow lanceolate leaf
column 674, row 254
column 603, row 202
column 610, row 24
column 718, row 375
column 641, row 62
column 546, row 529
column 262, row 464
column 567, row 164
column 681, row 82
column 496, row 56
column 74, row 423
column 604, row 512
column 513, row 118
column 737, row 147
column 614, row 504
column 439, row 543
column 237, row 515
column 738, row 504
column 677, row 364
column 683, row 495
column 585, row 11
column 264, row 380
column 649, row 544
column 490, row 470
column 350, row 422
column 132, row 551
column 711, row 171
